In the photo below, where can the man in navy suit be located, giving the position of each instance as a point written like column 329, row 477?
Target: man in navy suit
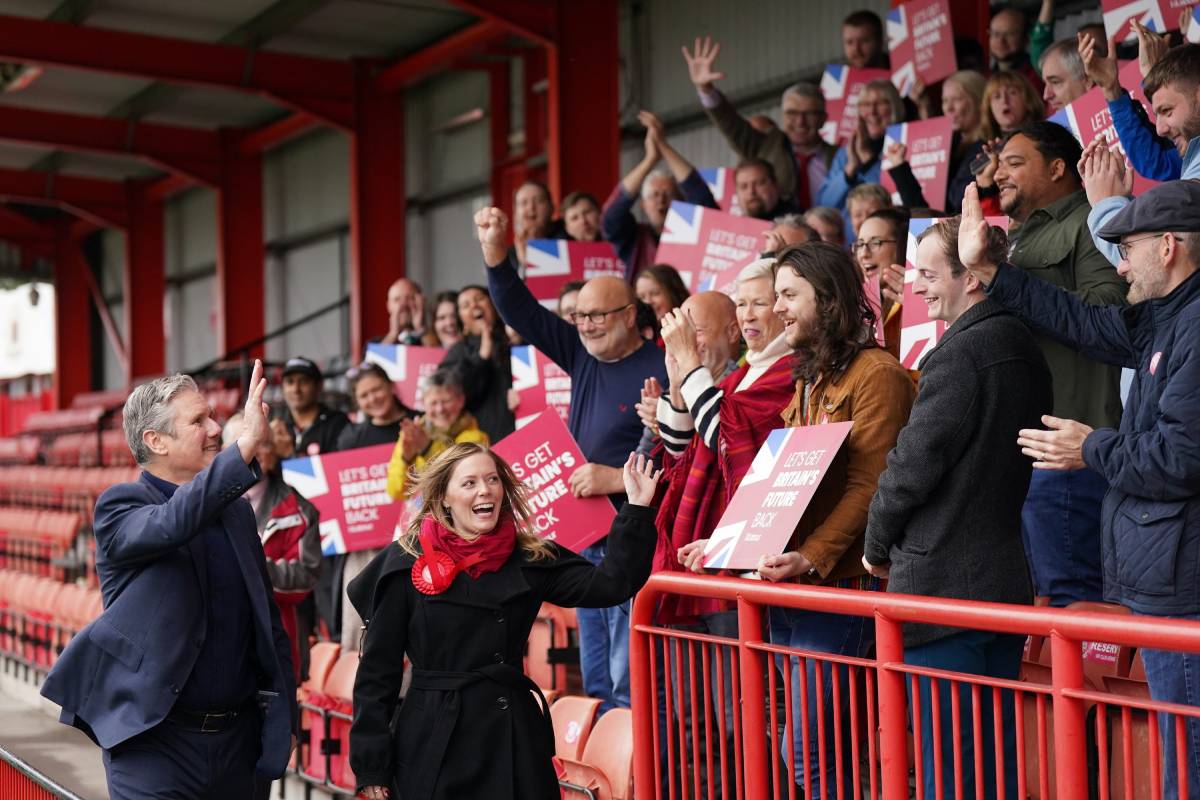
column 186, row 678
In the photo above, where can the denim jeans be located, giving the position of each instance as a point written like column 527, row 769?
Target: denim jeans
column 604, row 646
column 826, row 633
column 1175, row 678
column 1060, row 527
column 977, row 653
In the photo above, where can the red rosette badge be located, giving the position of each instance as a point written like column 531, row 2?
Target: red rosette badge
column 434, row 572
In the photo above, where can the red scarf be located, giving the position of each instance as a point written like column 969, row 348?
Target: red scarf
column 486, row 554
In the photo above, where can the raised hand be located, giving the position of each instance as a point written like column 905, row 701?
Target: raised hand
column 255, row 428
column 647, row 408
column 641, row 479
column 700, row 63
column 891, row 284
column 679, row 336
column 653, row 125
column 973, row 237
column 491, row 226
column 1101, row 69
column 894, row 155
column 414, row 439
column 1152, row 46
column 986, row 177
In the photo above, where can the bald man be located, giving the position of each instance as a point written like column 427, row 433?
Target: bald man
column 406, row 314
column 602, row 350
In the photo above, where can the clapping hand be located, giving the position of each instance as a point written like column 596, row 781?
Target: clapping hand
column 647, row 408
column 255, row 428
column 641, row 479
column 973, row 237
column 414, row 440
column 491, row 225
column 1102, row 70
column 1105, row 173
column 700, row 63
column 891, row 284
column 1153, row 46
column 679, row 336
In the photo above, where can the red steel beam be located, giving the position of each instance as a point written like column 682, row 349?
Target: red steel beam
column 241, row 257
column 260, row 140
column 103, row 202
column 144, row 286
column 321, row 86
column 533, row 19
column 72, row 322
column 192, row 151
column 441, row 55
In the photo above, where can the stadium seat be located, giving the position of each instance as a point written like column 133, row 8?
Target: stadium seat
column 606, row 770
column 549, row 642
column 321, row 659
column 573, row 718
column 339, row 689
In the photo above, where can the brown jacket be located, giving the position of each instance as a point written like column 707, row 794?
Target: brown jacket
column 876, row 394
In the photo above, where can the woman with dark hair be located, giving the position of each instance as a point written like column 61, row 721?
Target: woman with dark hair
column 483, row 361
column 446, row 325
column 660, row 287
column 375, row 397
column 458, row 594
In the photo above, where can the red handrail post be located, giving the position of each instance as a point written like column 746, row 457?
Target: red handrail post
column 754, row 723
column 641, row 696
column 893, row 709
column 1070, row 725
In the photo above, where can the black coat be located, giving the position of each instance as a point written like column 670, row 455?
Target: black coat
column 947, row 513
column 471, row 725
column 486, row 383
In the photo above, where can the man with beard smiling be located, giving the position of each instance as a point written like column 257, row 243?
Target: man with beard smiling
column 758, row 192
column 1040, row 190
column 603, row 351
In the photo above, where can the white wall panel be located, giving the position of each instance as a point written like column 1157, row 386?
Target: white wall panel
column 193, row 316
column 306, row 185
column 114, row 375
column 453, row 259
column 190, row 231
column 306, row 279
column 437, row 158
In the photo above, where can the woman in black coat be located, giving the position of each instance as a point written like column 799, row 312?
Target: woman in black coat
column 483, row 360
column 472, row 724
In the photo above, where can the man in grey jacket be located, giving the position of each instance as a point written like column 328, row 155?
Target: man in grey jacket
column 947, row 514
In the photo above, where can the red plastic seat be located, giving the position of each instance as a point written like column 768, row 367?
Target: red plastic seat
column 573, row 718
column 339, row 688
column 321, row 659
column 606, row 769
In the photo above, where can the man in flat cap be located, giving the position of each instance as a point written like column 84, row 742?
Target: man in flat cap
column 1151, row 513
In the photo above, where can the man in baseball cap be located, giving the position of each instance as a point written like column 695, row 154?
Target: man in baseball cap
column 1151, row 513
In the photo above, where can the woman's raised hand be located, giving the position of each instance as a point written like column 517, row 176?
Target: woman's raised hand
column 641, row 479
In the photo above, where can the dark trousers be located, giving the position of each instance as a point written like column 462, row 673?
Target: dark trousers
column 1060, row 527
column 172, row 762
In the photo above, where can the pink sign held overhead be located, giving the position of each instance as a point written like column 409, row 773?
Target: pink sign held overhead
column 772, row 498
column 349, row 489
column 921, row 43
column 721, row 182
column 549, row 263
column 544, row 456
column 539, row 383
column 928, row 143
column 841, row 86
column 406, row 365
column 1159, row 16
column 709, row 247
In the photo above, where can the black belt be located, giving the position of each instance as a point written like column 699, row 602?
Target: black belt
column 208, row 721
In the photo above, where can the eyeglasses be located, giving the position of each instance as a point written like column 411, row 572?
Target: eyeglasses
column 872, row 245
column 1124, row 247
column 595, row 317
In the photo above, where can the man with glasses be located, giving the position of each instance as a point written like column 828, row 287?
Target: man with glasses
column 603, row 351
column 1040, row 190
column 1151, row 462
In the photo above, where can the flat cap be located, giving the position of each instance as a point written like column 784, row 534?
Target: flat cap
column 1171, row 206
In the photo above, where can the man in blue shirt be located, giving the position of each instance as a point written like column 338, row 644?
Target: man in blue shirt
column 608, row 361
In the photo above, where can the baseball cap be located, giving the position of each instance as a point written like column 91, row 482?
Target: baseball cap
column 303, row 366
column 1170, row 206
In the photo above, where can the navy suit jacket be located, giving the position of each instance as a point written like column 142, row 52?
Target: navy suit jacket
column 122, row 674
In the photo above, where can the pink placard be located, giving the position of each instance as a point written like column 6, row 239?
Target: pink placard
column 772, row 498
column 709, row 247
column 406, row 365
column 544, row 456
column 841, row 86
column 349, row 489
column 1088, row 117
column 549, row 263
column 721, row 182
column 928, row 143
column 921, row 43
column 1157, row 15
column 540, row 384
column 919, row 333
column 874, row 294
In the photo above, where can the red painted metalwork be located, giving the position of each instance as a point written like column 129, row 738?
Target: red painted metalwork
column 880, row 711
column 72, row 323
column 144, row 283
column 532, row 19
column 440, row 56
column 240, row 252
column 319, row 86
column 101, row 201
column 499, row 123
column 377, row 208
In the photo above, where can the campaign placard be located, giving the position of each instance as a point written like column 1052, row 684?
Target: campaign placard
column 544, row 456
column 549, row 263
column 721, row 182
column 709, row 247
column 874, row 293
column 773, row 496
column 928, row 143
column 406, row 365
column 1088, row 117
column 919, row 333
column 1157, row 15
column 1192, row 33
column 841, row 86
column 349, row 489
column 921, row 43
column 540, row 384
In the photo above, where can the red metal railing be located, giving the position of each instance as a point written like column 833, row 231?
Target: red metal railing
column 19, row 781
column 1076, row 731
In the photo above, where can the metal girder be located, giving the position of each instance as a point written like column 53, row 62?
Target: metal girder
column 75, row 11
column 103, row 202
column 533, row 19
column 192, row 151
column 320, row 86
column 440, row 55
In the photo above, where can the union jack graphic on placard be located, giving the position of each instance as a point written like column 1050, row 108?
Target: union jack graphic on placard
column 841, row 86
column 406, row 365
column 540, row 384
column 708, row 247
column 549, row 263
column 307, row 476
column 721, row 183
column 1157, row 15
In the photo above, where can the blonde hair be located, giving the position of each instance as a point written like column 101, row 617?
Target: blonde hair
column 1034, row 110
column 974, row 86
column 431, row 484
